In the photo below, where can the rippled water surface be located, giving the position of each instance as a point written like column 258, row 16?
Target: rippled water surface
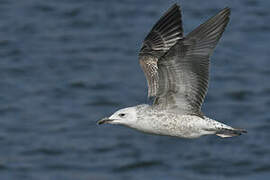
column 66, row 64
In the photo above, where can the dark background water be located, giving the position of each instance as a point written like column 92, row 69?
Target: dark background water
column 66, row 64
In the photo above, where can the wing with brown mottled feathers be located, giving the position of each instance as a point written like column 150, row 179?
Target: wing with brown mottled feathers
column 165, row 33
column 183, row 70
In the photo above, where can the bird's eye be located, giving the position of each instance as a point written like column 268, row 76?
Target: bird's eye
column 122, row 114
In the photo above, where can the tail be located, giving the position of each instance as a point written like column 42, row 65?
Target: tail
column 224, row 133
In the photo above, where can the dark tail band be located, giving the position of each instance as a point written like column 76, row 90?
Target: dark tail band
column 230, row 132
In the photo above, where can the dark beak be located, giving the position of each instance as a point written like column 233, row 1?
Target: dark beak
column 104, row 121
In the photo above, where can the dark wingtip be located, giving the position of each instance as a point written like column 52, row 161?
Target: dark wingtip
column 226, row 10
column 212, row 28
column 173, row 14
column 164, row 34
column 175, row 5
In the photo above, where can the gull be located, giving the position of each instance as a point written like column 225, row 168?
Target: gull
column 176, row 68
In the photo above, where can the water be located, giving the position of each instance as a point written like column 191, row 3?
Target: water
column 66, row 64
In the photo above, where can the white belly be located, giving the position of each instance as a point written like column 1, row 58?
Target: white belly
column 184, row 126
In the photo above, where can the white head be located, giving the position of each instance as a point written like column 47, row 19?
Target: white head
column 126, row 116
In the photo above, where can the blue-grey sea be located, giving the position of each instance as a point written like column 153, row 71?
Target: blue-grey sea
column 64, row 64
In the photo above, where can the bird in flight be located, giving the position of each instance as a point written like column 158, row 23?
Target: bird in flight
column 176, row 68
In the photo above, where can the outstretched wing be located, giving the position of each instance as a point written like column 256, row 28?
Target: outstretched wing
column 165, row 33
column 183, row 70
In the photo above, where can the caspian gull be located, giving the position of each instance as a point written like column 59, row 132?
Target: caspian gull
column 177, row 70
